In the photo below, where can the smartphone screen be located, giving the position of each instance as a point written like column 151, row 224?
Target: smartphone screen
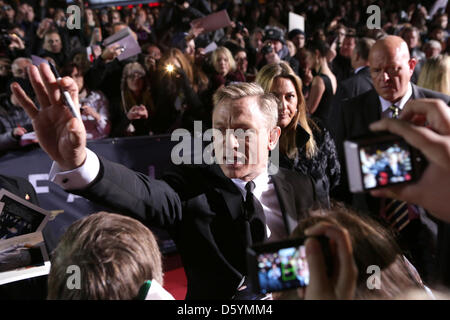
column 283, row 269
column 386, row 164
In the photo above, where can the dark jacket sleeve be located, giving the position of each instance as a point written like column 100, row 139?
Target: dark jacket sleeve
column 128, row 192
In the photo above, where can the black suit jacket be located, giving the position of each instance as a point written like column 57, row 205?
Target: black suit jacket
column 201, row 209
column 352, row 87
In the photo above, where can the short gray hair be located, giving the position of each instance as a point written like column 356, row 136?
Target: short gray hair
column 267, row 102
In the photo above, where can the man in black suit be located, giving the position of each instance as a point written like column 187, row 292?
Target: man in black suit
column 200, row 205
column 357, row 84
column 391, row 69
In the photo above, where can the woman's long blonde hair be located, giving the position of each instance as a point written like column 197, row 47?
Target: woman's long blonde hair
column 435, row 74
column 288, row 145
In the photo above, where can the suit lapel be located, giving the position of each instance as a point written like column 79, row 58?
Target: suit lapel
column 227, row 189
column 372, row 109
column 287, row 204
column 416, row 94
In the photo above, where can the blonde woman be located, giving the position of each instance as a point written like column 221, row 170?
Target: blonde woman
column 225, row 67
column 435, row 74
column 305, row 145
column 137, row 102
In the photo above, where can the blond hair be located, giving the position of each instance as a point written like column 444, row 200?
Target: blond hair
column 227, row 53
column 268, row 103
column 288, row 146
column 435, row 74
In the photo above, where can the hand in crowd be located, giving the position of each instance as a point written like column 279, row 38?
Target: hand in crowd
column 16, row 42
column 137, row 112
column 43, row 27
column 19, row 131
column 89, row 111
column 60, row 134
column 425, row 124
column 112, row 52
column 342, row 284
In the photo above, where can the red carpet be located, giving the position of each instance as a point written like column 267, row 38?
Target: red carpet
column 174, row 277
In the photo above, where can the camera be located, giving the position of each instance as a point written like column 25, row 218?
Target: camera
column 381, row 160
column 282, row 265
column 239, row 26
column 267, row 48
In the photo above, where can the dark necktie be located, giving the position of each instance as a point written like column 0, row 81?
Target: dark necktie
column 395, row 111
column 254, row 216
column 396, row 212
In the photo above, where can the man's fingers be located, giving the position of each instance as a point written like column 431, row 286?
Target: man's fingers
column 318, row 281
column 50, row 83
column 38, row 86
column 24, row 101
column 69, row 85
column 435, row 111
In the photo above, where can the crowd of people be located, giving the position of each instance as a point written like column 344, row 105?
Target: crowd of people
column 305, row 90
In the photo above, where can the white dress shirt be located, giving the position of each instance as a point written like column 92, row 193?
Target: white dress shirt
column 386, row 112
column 265, row 192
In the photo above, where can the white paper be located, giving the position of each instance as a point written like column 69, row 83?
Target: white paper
column 210, row 47
column 296, row 21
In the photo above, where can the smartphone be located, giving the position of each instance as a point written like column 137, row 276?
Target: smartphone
column 281, row 265
column 381, row 160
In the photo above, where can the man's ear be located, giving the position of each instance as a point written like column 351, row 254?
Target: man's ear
column 412, row 64
column 274, row 136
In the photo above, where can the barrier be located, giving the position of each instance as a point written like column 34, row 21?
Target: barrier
column 149, row 155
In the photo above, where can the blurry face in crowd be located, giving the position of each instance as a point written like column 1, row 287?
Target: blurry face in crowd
column 241, row 61
column 9, row 12
column 150, row 19
column 52, row 43
column 78, row 78
column 431, row 52
column 437, row 34
column 89, row 17
column 249, row 161
column 347, row 47
column 152, row 57
column 341, row 35
column 284, row 90
column 190, row 48
column 257, row 40
column 277, row 45
column 391, row 68
column 135, row 81
column 223, row 65
column 19, row 68
column 291, row 47
column 5, row 68
column 115, row 17
column 411, row 38
column 310, row 59
column 299, row 41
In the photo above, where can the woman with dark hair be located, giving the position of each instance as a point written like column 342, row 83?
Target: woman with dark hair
column 324, row 84
column 94, row 106
column 137, row 101
column 305, row 145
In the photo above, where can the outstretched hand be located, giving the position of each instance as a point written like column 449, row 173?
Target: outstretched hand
column 61, row 135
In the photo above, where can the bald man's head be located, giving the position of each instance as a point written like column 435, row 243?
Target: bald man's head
column 391, row 67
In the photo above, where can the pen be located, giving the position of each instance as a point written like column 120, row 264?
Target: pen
column 67, row 98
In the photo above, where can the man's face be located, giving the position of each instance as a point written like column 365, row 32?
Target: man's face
column 19, row 69
column 241, row 61
column 277, row 45
column 347, row 47
column 243, row 138
column 53, row 43
column 411, row 38
column 391, row 71
column 299, row 41
column 5, row 68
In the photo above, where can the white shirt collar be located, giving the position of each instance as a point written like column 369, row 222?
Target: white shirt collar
column 261, row 180
column 357, row 69
column 386, row 104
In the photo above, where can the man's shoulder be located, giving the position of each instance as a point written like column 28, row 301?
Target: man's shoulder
column 427, row 93
column 356, row 102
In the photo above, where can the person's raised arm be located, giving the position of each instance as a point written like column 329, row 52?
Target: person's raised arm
column 425, row 124
column 60, row 134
